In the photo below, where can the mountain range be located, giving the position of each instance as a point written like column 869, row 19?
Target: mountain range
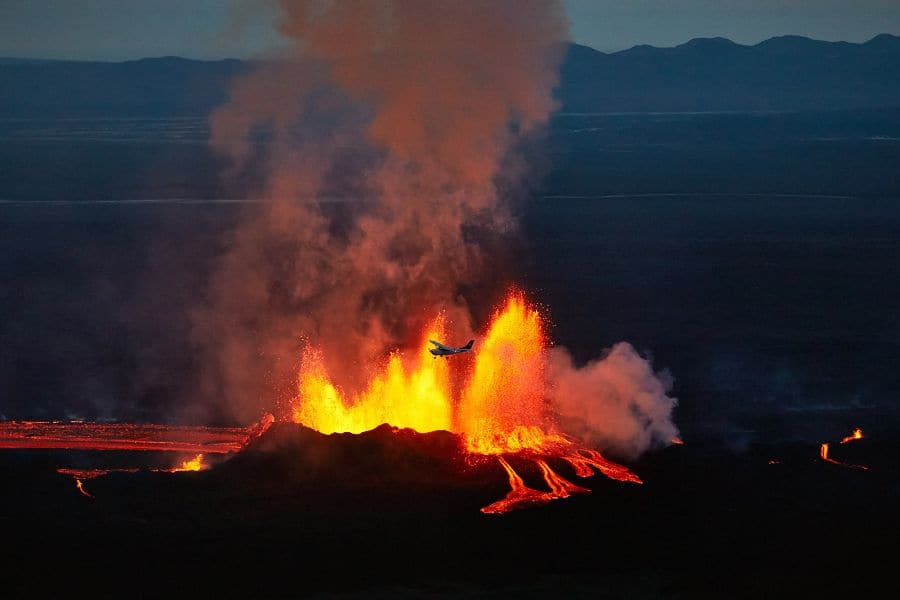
column 716, row 74
column 787, row 73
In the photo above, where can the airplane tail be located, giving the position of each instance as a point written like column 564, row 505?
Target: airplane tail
column 469, row 345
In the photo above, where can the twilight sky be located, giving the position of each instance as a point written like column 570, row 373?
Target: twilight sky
column 125, row 29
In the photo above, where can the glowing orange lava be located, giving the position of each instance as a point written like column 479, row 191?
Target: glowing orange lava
column 79, row 435
column 519, row 496
column 82, row 475
column 193, row 464
column 80, row 485
column 856, row 435
column 823, row 454
column 413, row 394
column 500, row 407
column 559, row 486
column 582, row 459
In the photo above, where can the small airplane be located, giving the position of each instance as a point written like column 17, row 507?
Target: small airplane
column 445, row 351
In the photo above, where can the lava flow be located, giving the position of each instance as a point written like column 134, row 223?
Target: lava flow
column 824, row 449
column 82, row 475
column 123, row 436
column 499, row 409
column 128, row 437
column 519, row 496
column 823, row 454
column 496, row 405
column 856, row 435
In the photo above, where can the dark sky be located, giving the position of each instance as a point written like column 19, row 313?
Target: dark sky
column 123, row 29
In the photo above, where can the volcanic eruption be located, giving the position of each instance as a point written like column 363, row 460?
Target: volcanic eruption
column 391, row 135
column 500, row 406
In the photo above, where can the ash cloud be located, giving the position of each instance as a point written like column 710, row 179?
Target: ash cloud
column 616, row 402
column 385, row 131
column 388, row 130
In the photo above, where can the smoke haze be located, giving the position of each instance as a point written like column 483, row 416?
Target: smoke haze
column 615, row 402
column 386, row 133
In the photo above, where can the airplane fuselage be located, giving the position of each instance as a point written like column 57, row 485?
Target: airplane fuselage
column 445, row 351
column 442, row 352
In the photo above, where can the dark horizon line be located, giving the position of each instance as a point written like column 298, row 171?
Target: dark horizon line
column 28, row 59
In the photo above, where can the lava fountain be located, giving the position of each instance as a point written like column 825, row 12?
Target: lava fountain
column 499, row 408
column 413, row 396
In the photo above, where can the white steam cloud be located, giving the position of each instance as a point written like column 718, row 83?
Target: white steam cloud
column 616, row 402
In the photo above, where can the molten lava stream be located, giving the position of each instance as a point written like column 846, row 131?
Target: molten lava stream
column 583, row 459
column 559, row 486
column 196, row 463
column 129, row 437
column 823, row 454
column 856, row 435
column 80, row 485
column 520, row 496
column 82, row 475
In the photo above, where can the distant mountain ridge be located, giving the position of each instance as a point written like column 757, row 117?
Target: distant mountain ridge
column 704, row 74
column 716, row 74
column 149, row 87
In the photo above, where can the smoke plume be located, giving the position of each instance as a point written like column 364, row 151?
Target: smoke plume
column 384, row 133
column 616, row 402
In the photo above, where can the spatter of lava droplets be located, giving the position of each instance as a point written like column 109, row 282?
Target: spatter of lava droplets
column 499, row 410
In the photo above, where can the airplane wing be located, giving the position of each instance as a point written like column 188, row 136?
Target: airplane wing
column 440, row 345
